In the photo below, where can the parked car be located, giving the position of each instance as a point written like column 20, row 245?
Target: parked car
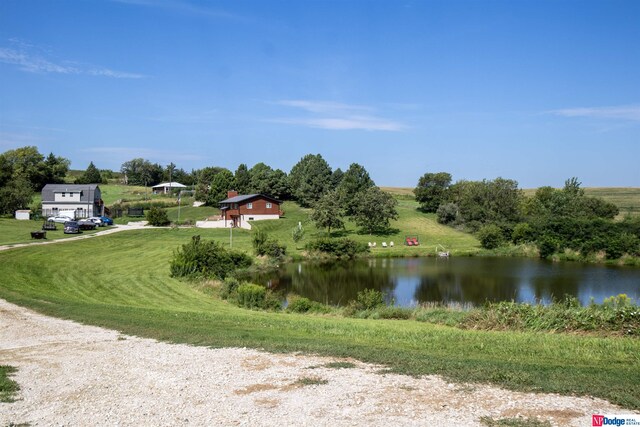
column 97, row 220
column 87, row 224
column 71, row 227
column 59, row 218
column 106, row 220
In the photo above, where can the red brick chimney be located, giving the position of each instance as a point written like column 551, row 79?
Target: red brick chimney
column 231, row 193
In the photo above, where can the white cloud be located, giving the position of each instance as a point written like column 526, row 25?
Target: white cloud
column 624, row 112
column 337, row 116
column 323, row 107
column 350, row 123
column 33, row 63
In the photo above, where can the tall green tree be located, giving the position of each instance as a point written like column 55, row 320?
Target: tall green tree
column 221, row 184
column 262, row 179
column 27, row 163
column 55, row 169
column 90, row 176
column 354, row 181
column 139, row 171
column 374, row 209
column 243, row 181
column 480, row 202
column 310, row 179
column 431, row 190
column 16, row 195
column 328, row 212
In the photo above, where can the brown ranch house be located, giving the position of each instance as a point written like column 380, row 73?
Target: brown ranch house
column 237, row 209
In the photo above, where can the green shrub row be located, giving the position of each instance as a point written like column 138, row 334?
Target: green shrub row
column 618, row 315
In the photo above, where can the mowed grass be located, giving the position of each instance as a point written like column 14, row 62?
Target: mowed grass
column 411, row 222
column 111, row 193
column 128, row 288
column 13, row 231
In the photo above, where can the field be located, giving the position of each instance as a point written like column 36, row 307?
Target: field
column 626, row 199
column 129, row 289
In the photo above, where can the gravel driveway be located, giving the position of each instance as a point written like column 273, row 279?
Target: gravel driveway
column 72, row 374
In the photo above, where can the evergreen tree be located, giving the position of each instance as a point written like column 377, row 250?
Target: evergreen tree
column 310, row 179
column 220, row 185
column 243, row 183
column 354, row 181
column 90, row 176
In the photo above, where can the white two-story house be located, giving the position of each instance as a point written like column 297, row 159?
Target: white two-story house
column 84, row 200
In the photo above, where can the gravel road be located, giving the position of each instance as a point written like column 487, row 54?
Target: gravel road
column 78, row 375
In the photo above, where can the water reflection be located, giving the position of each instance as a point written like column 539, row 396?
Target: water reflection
column 409, row 281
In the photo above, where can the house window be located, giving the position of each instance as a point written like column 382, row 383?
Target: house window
column 268, row 205
column 64, row 194
column 249, row 205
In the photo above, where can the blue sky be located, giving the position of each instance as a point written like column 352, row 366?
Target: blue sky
column 537, row 91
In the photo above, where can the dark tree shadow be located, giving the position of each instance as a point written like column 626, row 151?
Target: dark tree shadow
column 381, row 232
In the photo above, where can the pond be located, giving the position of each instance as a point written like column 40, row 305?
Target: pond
column 474, row 280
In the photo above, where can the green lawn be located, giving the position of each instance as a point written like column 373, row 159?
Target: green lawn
column 13, row 231
column 411, row 222
column 130, row 290
column 111, row 193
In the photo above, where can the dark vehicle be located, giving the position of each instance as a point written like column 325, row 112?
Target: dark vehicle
column 106, row 220
column 86, row 224
column 71, row 227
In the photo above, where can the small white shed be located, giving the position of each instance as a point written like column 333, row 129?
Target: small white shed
column 23, row 214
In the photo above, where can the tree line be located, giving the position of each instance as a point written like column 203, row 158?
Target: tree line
column 555, row 220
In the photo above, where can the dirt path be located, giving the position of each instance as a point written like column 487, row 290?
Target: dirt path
column 114, row 229
column 73, row 374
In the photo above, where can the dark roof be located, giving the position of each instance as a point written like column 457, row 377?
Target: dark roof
column 49, row 190
column 245, row 197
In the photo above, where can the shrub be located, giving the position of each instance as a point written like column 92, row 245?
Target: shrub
column 547, row 246
column 341, row 248
column 157, row 216
column 369, row 299
column 298, row 304
column 229, row 287
column 447, row 213
column 394, row 313
column 522, row 233
column 490, row 236
column 206, row 259
column 257, row 297
column 263, row 245
column 251, row 296
column 258, row 241
column 617, row 315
